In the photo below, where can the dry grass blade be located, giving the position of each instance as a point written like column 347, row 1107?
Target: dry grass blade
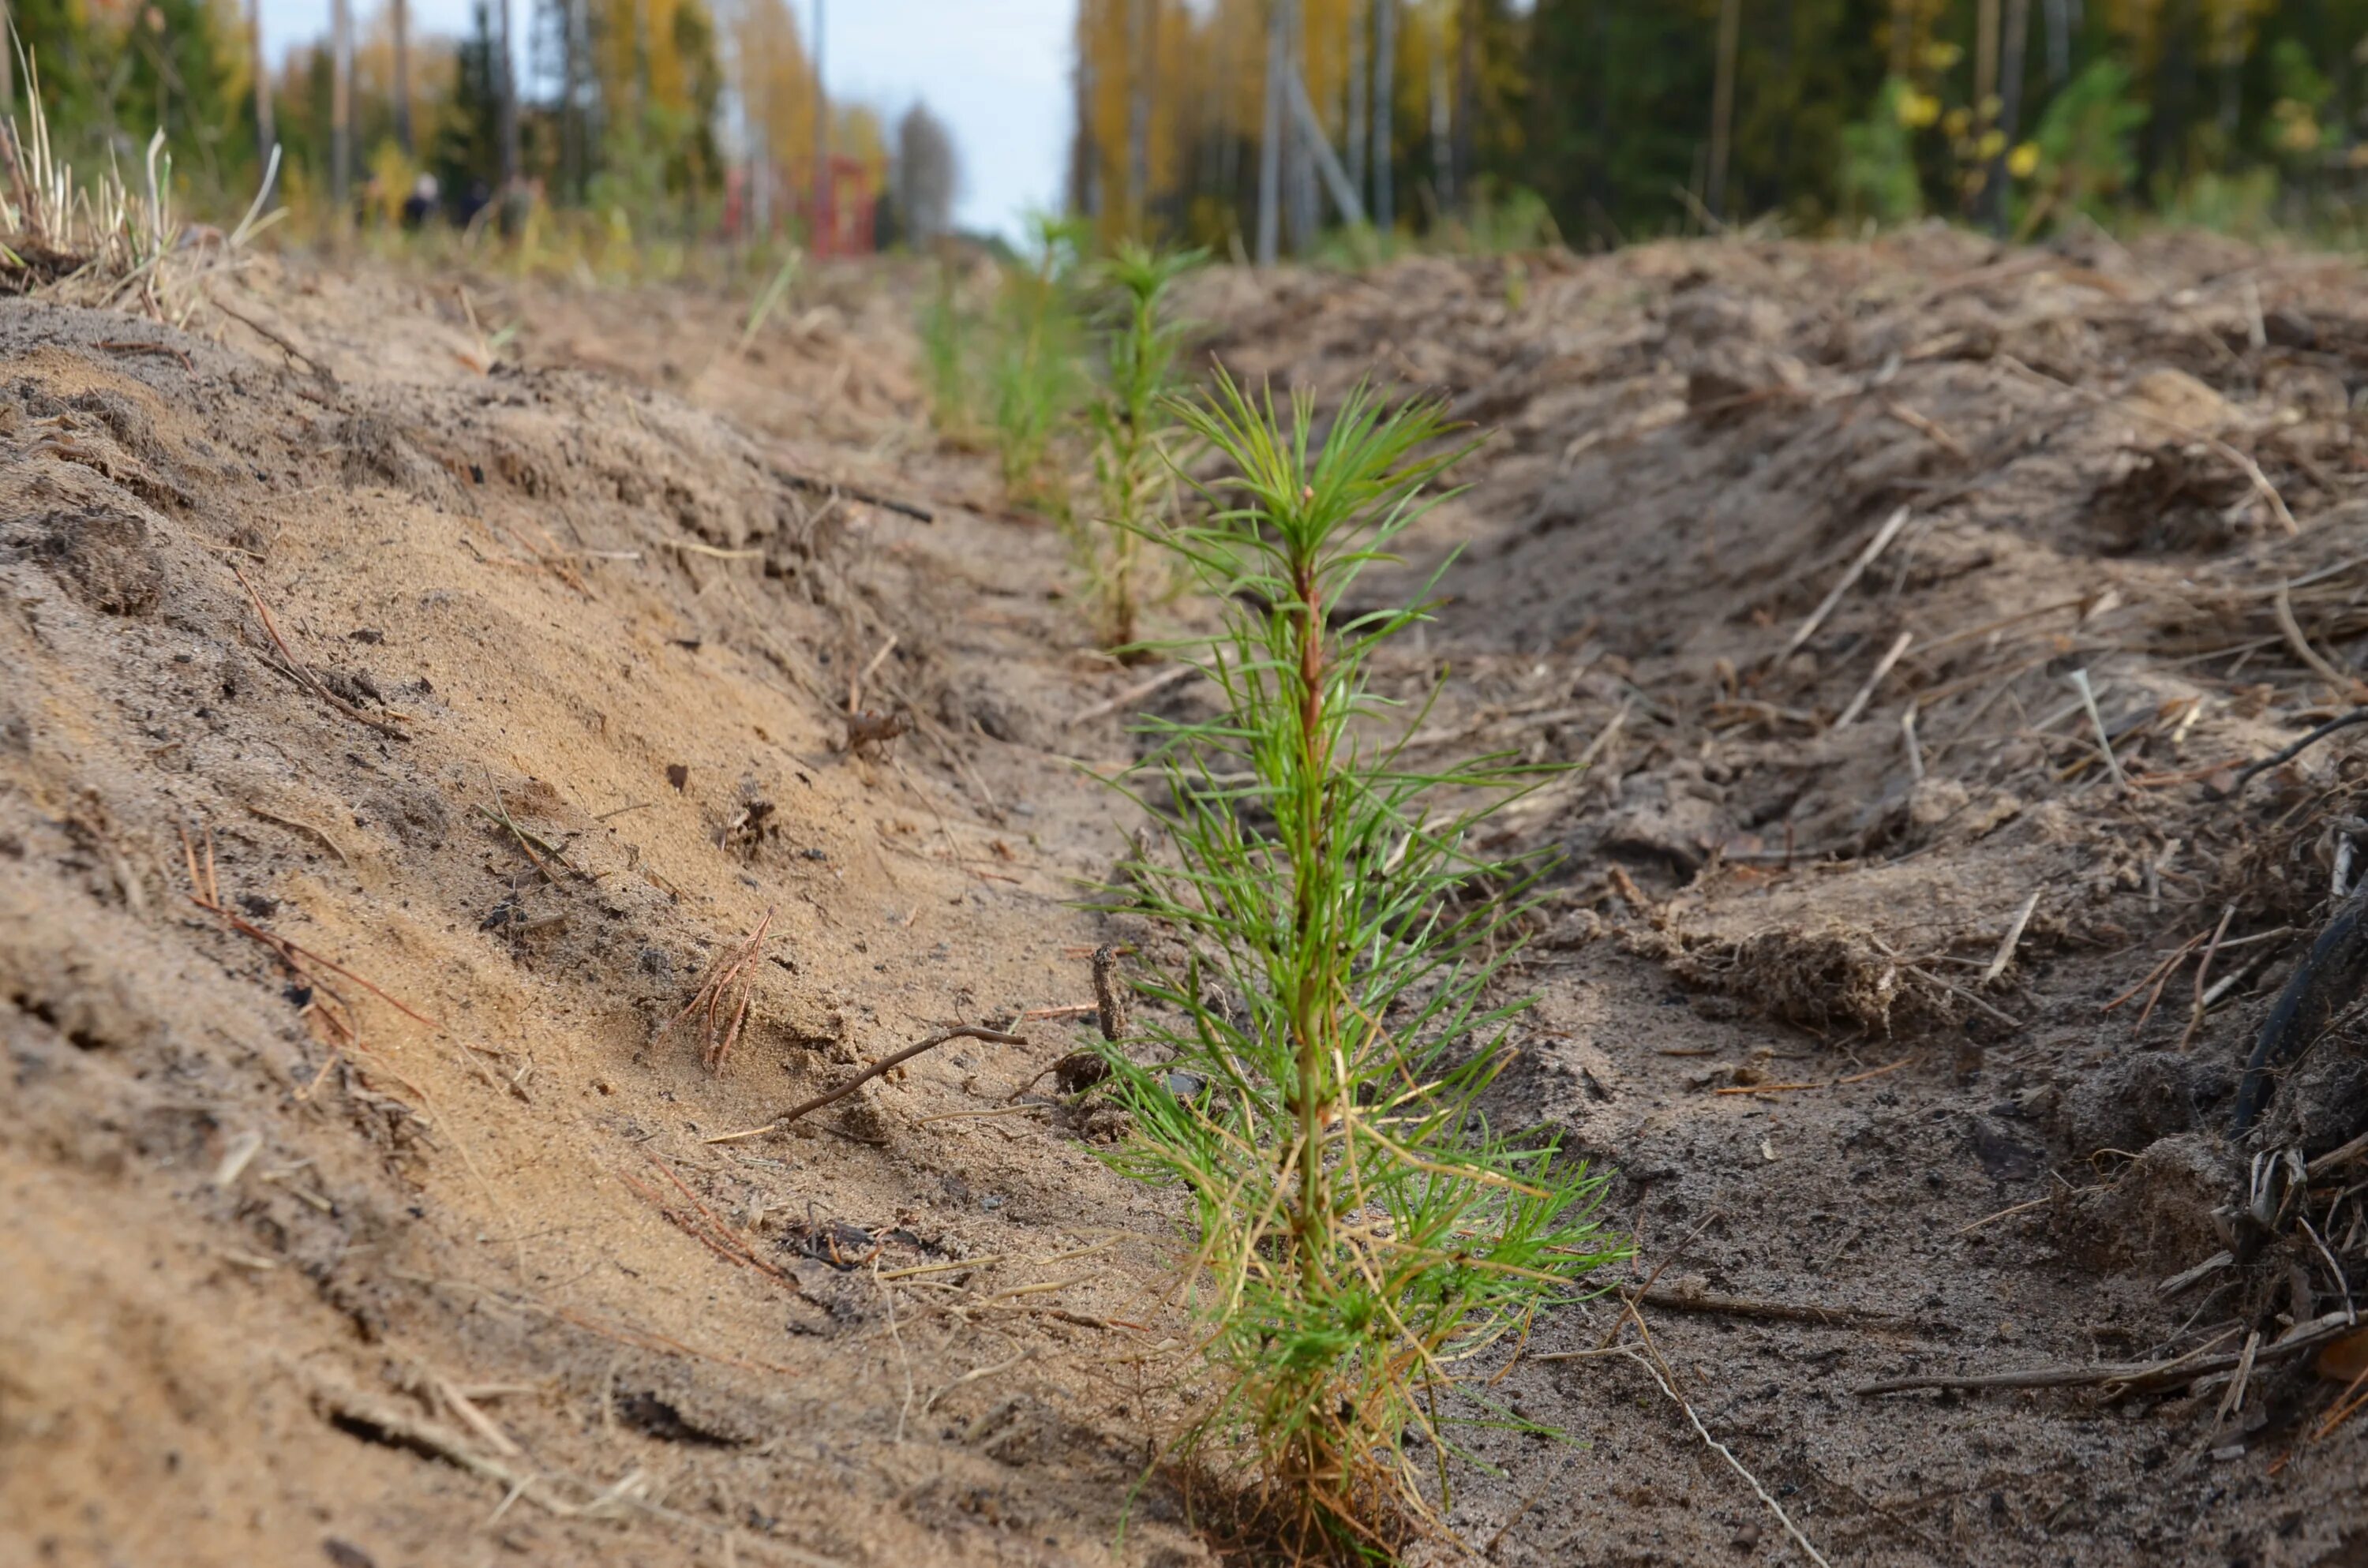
column 2012, row 939
column 208, row 897
column 1865, row 558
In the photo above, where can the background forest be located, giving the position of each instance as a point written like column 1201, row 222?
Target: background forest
column 1271, row 126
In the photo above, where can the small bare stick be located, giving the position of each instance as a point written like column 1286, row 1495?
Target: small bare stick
column 2281, row 605
column 320, row 371
column 2003, row 1213
column 2233, row 1400
column 1930, row 429
column 2287, row 754
column 1882, row 669
column 1136, row 693
column 2012, row 941
column 1874, row 546
column 1962, row 994
column 1915, row 751
column 2202, row 971
column 2104, row 741
column 855, row 687
column 305, row 675
column 2135, row 1376
column 976, row 1374
column 960, row 1031
column 1110, row 993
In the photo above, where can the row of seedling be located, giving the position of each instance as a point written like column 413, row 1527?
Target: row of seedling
column 1064, row 372
column 1366, row 1247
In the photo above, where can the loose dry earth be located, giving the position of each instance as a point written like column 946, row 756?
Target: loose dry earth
column 391, row 748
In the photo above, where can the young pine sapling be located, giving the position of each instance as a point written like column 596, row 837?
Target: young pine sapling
column 1363, row 1234
column 1134, row 432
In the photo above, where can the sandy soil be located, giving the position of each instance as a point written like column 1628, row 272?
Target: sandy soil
column 371, row 1213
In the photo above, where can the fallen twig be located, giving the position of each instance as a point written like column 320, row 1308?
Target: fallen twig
column 2281, row 607
column 2135, row 1377
column 834, row 490
column 2287, row 754
column 2203, row 972
column 1882, row 667
column 2012, row 939
column 305, row 673
column 959, row 1031
column 1857, row 569
column 208, row 897
column 320, row 371
column 2104, row 739
column 1750, row 1306
column 1135, row 693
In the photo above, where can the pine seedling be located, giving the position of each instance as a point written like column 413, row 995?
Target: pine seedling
column 947, row 349
column 1035, row 375
column 1363, row 1234
column 1134, row 432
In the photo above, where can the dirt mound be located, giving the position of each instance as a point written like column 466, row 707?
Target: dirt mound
column 1833, row 529
column 387, row 752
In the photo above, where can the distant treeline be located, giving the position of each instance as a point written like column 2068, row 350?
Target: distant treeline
column 1223, row 122
column 661, row 111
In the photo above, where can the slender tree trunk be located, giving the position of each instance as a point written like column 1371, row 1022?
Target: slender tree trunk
column 2018, row 39
column 572, row 149
column 1138, row 28
column 400, row 17
column 1353, row 132
column 341, row 105
column 1467, row 96
column 1306, row 216
column 1721, row 106
column 824, row 216
column 1271, row 132
column 1085, row 153
column 1598, row 172
column 505, row 103
column 760, row 150
column 1442, row 153
column 1386, row 113
column 266, row 135
column 639, row 12
column 1986, row 61
column 2059, row 42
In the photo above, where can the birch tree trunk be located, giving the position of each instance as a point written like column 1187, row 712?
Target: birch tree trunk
column 341, row 105
column 1140, row 23
column 266, row 132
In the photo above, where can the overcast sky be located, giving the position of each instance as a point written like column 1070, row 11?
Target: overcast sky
column 996, row 71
